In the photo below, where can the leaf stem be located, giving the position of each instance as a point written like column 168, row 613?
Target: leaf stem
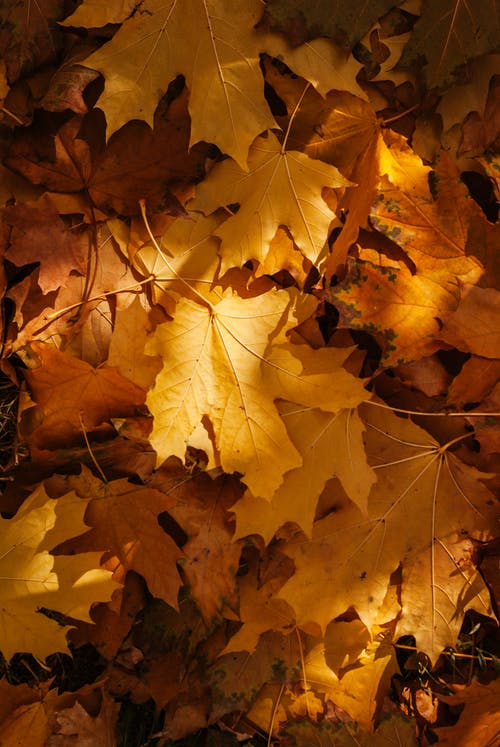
column 100, row 297
column 292, row 117
column 446, row 446
column 464, row 414
column 203, row 300
column 401, row 114
column 446, row 653
column 273, row 714
column 87, row 444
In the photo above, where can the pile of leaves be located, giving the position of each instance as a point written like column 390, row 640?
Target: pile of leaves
column 251, row 327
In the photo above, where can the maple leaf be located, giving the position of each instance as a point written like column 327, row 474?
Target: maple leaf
column 340, row 129
column 29, row 36
column 480, row 129
column 479, row 722
column 473, row 326
column 111, row 622
column 210, row 557
column 39, row 235
column 259, row 611
column 79, row 320
column 26, row 710
column 321, row 62
column 76, row 721
column 127, row 344
column 72, row 395
column 236, row 677
column 31, row 578
column 284, row 255
column 335, row 128
column 330, row 445
column 66, row 89
column 60, row 162
column 449, row 34
column 344, row 643
column 213, row 46
column 412, row 471
column 401, row 308
column 114, row 512
column 137, row 163
column 281, row 187
column 213, row 358
column 432, row 223
column 92, row 14
column 184, row 259
column 459, row 100
column 356, row 691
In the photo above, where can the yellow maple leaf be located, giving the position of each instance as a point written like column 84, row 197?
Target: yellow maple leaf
column 356, row 691
column 420, row 507
column 185, row 257
column 212, row 366
column 213, row 45
column 281, row 188
column 32, row 578
column 127, row 345
column 330, row 444
column 321, row 62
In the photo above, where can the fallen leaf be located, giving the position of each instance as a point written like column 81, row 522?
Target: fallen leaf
column 76, row 725
column 473, row 326
column 137, row 163
column 127, row 344
column 92, row 14
column 210, row 557
column 114, row 512
column 32, row 578
column 344, row 642
column 218, row 57
column 66, row 89
column 330, row 444
column 458, row 101
column 39, row 235
column 220, row 377
column 413, row 516
column 475, row 381
column 71, row 396
column 29, row 37
column 479, row 722
column 324, row 64
column 449, row 35
column 281, row 188
column 260, row 611
column 111, row 622
column 399, row 307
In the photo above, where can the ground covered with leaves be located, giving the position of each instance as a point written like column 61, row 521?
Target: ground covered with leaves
column 249, row 373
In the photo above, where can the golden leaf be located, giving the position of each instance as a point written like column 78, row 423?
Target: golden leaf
column 280, row 188
column 32, row 578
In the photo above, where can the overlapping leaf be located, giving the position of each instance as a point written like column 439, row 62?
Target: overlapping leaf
column 213, row 366
column 421, row 506
column 212, row 46
column 281, row 187
column 31, row 578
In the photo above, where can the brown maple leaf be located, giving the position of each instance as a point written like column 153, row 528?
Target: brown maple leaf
column 39, row 235
column 72, row 396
